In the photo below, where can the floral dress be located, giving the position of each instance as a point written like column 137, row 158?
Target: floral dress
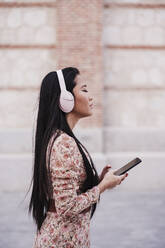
column 69, row 226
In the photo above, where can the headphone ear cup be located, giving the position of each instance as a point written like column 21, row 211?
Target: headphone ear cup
column 66, row 101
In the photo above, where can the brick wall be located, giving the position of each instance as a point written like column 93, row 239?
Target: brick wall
column 79, row 29
column 27, row 53
column 37, row 37
column 134, row 47
column 119, row 48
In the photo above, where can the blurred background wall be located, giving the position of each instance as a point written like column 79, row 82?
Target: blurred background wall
column 119, row 47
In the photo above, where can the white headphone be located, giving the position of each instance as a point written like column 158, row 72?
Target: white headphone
column 66, row 100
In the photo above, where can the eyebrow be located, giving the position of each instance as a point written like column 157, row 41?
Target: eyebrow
column 84, row 86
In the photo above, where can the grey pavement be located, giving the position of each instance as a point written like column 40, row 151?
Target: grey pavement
column 122, row 220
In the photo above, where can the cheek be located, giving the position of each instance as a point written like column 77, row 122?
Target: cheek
column 81, row 103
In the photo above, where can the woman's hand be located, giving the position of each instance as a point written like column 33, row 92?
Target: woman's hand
column 104, row 171
column 110, row 180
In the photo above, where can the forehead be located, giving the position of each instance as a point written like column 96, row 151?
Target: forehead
column 79, row 81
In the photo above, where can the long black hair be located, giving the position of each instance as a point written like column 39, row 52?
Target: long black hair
column 50, row 118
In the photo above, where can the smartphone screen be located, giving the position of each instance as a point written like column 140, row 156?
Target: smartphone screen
column 128, row 166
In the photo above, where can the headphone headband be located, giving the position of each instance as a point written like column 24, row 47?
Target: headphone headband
column 61, row 80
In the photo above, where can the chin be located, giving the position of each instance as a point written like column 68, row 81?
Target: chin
column 90, row 113
column 86, row 115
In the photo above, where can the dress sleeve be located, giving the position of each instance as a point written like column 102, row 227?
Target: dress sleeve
column 64, row 165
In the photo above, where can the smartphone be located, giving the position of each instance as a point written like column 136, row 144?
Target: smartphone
column 128, row 166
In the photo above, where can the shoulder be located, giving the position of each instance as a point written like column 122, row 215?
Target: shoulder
column 65, row 142
column 65, row 150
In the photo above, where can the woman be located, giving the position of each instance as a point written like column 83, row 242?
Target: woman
column 66, row 185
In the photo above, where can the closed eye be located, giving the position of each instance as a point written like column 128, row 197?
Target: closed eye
column 85, row 90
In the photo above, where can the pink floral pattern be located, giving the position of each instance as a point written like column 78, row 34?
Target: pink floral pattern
column 69, row 226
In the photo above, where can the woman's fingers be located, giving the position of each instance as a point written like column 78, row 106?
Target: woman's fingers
column 108, row 166
column 122, row 177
